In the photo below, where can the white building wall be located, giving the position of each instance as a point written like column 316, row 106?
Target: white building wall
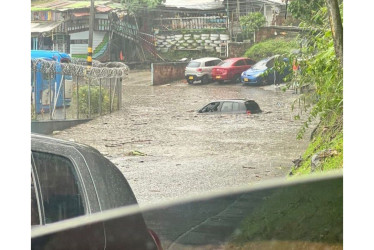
column 268, row 13
column 82, row 48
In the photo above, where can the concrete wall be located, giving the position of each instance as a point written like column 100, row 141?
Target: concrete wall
column 47, row 127
column 162, row 73
column 265, row 33
column 237, row 49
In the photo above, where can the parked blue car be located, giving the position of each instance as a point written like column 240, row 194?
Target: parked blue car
column 263, row 72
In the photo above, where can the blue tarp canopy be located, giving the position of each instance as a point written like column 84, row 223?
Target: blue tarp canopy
column 49, row 54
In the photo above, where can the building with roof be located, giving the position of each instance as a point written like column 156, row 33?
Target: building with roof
column 121, row 36
column 64, row 26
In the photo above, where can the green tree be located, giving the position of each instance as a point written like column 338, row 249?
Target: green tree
column 252, row 22
column 271, row 47
column 321, row 73
column 134, row 5
column 306, row 11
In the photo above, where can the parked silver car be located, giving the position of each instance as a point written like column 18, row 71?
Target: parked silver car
column 201, row 69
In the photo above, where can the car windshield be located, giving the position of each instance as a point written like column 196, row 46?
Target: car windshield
column 260, row 65
column 226, row 63
column 154, row 101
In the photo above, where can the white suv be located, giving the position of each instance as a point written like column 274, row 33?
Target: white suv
column 201, row 69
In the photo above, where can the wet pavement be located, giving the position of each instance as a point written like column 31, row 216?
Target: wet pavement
column 186, row 152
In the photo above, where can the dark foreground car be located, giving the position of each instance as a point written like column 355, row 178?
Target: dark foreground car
column 263, row 72
column 234, row 106
column 300, row 213
column 71, row 180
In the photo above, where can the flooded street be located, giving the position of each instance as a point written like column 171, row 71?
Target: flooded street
column 186, row 152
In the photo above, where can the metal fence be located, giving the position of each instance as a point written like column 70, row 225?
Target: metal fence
column 64, row 91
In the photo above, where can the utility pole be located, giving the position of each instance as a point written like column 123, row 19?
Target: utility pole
column 89, row 50
column 90, row 33
column 228, row 18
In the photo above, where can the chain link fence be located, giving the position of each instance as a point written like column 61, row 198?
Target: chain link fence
column 64, row 91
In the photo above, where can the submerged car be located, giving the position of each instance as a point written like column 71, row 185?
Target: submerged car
column 263, row 72
column 231, row 69
column 235, row 106
column 71, row 180
column 201, row 69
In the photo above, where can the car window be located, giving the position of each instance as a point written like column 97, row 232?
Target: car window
column 235, row 106
column 270, row 63
column 209, row 63
column 225, row 63
column 249, row 61
column 239, row 63
column 252, row 106
column 216, row 62
column 260, row 65
column 227, row 107
column 35, row 218
column 193, row 64
column 58, row 187
column 211, row 107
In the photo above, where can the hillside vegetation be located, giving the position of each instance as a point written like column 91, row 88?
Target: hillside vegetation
column 320, row 81
column 321, row 72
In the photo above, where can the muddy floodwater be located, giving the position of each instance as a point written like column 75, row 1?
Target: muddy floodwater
column 186, row 152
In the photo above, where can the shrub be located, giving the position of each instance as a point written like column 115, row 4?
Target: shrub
column 94, row 100
column 271, row 47
column 252, row 22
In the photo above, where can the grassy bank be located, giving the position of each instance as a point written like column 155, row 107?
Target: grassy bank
column 306, row 216
column 327, row 137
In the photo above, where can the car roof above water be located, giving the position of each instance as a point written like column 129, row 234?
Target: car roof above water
column 231, row 100
column 204, row 59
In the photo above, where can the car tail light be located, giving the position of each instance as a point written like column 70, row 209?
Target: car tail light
column 199, row 70
column 156, row 239
column 248, row 112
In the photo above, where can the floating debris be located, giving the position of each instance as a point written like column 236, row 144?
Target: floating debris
column 135, row 153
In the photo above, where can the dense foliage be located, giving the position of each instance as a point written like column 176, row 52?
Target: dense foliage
column 306, row 10
column 271, row 47
column 134, row 5
column 321, row 75
column 252, row 22
column 95, row 100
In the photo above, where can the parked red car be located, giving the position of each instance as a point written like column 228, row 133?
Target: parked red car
column 231, row 69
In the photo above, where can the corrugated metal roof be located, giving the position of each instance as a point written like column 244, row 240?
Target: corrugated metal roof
column 78, row 14
column 62, row 5
column 103, row 8
column 40, row 27
column 99, row 9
